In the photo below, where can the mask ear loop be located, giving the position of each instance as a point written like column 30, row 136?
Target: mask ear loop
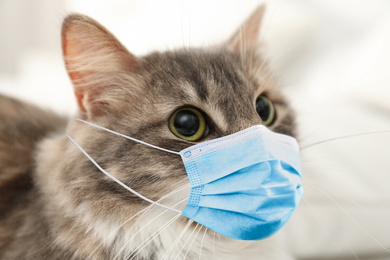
column 111, row 176
column 118, row 181
column 127, row 137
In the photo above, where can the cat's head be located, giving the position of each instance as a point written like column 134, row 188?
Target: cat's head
column 217, row 91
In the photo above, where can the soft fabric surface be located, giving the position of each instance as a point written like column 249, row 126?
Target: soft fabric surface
column 333, row 60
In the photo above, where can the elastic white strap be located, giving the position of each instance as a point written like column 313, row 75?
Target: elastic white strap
column 128, row 137
column 118, row 181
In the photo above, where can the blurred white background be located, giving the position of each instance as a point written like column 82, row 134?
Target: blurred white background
column 332, row 58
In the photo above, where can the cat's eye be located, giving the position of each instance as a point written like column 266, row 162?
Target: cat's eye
column 265, row 109
column 188, row 123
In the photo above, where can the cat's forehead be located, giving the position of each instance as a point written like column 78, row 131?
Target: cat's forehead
column 204, row 74
column 219, row 82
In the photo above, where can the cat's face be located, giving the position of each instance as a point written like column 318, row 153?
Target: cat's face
column 138, row 97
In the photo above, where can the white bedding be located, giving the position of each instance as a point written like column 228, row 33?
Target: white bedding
column 333, row 59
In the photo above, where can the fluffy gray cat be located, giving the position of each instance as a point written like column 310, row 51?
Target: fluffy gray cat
column 55, row 204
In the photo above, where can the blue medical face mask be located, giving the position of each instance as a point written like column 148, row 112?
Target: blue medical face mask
column 245, row 185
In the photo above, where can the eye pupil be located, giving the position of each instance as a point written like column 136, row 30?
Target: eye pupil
column 265, row 109
column 186, row 123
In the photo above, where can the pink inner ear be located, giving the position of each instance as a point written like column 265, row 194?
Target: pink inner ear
column 93, row 58
column 70, row 51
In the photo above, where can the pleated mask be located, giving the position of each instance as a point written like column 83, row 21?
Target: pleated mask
column 245, row 185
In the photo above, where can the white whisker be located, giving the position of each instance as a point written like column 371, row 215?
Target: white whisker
column 143, row 211
column 185, row 243
column 177, row 239
column 201, row 243
column 154, row 235
column 262, row 37
column 343, row 137
column 193, row 240
column 348, row 214
column 354, row 253
column 186, row 186
column 326, row 231
column 349, row 199
column 150, row 221
column 320, row 223
column 125, row 222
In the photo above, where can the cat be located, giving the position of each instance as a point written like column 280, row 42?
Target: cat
column 55, row 204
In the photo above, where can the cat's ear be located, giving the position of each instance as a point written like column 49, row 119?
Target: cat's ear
column 94, row 58
column 246, row 37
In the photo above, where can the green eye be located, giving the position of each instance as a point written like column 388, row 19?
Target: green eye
column 265, row 109
column 188, row 123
